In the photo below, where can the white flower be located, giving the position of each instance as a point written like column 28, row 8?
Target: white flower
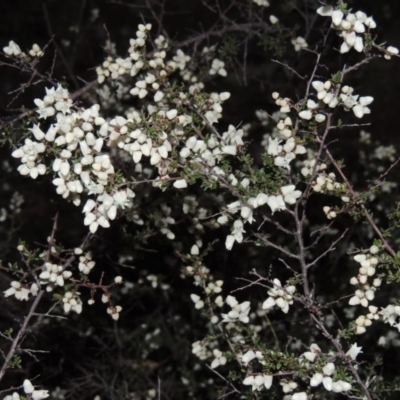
column 229, row 242
column 305, row 114
column 273, row 19
column 247, row 357
column 198, row 303
column 251, row 355
column 37, row 132
column 354, row 351
column 316, row 379
column 313, row 353
column 258, row 381
column 14, row 396
column 280, row 297
column 263, row 3
column 290, row 195
column 40, row 394
column 299, row 43
column 329, row 369
column 392, row 50
column 171, row 114
column 274, row 147
column 340, row 386
column 219, row 359
column 114, row 312
column 12, row 49
column 28, row 387
column 229, row 150
column 337, row 17
column 239, row 311
column 299, row 396
column 17, row 290
column 326, row 380
column 276, row 203
column 261, row 199
column 217, row 67
column 325, row 11
column 180, row 184
column 236, row 235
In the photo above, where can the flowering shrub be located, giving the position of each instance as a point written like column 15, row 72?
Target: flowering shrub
column 188, row 255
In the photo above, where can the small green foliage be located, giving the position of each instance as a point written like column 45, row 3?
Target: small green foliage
column 336, row 78
column 15, row 363
column 229, row 47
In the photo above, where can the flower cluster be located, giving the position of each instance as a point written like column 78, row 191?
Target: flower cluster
column 20, row 291
column 279, row 296
column 390, row 315
column 263, row 3
column 325, row 378
column 30, row 391
column 219, row 359
column 13, row 50
column 349, row 26
column 258, row 382
column 299, row 43
column 328, row 94
column 52, row 275
column 218, row 67
column 31, row 159
column 72, row 302
column 352, row 28
column 363, row 321
column 365, row 292
column 239, row 312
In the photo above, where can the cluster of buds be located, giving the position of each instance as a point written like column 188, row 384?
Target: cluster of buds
column 308, row 167
column 285, row 128
column 363, row 321
column 329, row 212
column 368, row 263
column 283, row 103
column 114, row 312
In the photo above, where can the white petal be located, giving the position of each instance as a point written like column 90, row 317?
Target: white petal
column 180, row 184
column 327, row 382
column 344, row 48
column 329, row 369
column 269, row 303
column 267, row 381
column 366, row 100
column 325, row 11
column 318, row 86
column 337, row 17
column 359, row 45
column 305, row 114
column 358, row 111
column 28, row 387
column 316, row 379
column 355, row 300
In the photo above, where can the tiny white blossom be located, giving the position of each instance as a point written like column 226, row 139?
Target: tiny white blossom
column 180, row 184
column 354, row 351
